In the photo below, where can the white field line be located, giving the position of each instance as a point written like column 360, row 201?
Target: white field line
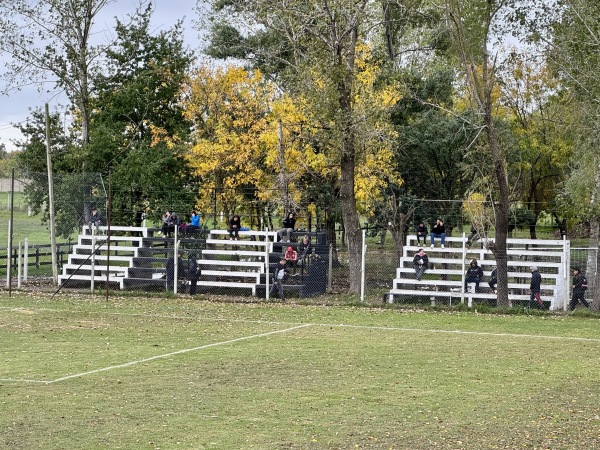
column 475, row 333
column 152, row 358
column 338, row 325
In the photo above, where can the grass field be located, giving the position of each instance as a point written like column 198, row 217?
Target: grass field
column 81, row 372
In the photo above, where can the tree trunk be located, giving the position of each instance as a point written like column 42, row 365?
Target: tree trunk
column 593, row 259
column 398, row 236
column 503, row 211
column 596, row 293
column 532, row 232
column 350, row 215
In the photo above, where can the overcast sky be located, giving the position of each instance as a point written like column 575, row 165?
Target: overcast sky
column 16, row 107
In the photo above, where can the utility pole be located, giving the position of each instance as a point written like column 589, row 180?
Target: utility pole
column 51, row 201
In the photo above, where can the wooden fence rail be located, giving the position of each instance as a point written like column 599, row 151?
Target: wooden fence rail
column 38, row 256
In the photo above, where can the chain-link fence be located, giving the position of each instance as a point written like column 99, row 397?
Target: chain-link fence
column 144, row 254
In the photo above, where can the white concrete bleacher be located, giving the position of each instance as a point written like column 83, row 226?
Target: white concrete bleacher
column 445, row 278
column 238, row 263
column 103, row 229
column 89, row 257
column 224, row 263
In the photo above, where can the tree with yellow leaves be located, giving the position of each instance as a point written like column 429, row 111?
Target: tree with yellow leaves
column 230, row 110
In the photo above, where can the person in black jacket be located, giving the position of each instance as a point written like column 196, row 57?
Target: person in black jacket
column 474, row 275
column 580, row 285
column 193, row 272
column 95, row 220
column 535, row 288
column 420, row 263
column 170, row 221
column 235, row 224
column 438, row 231
column 421, row 231
column 280, row 274
column 170, row 272
column 289, row 223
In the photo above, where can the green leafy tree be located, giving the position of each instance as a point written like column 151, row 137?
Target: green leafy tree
column 74, row 191
column 139, row 132
column 432, row 146
column 536, row 117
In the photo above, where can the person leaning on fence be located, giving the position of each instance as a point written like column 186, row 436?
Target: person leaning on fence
column 289, row 223
column 438, row 231
column 280, row 274
column 170, row 272
column 421, row 231
column 193, row 272
column 474, row 275
column 95, row 220
column 535, row 288
column 580, row 285
column 420, row 263
column 235, row 223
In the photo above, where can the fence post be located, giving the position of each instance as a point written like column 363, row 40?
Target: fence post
column 175, row 262
column 564, row 292
column 330, row 271
column 362, row 266
column 26, row 260
column 267, row 264
column 19, row 268
column 93, row 272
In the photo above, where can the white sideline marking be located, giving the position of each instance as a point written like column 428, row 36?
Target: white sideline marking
column 152, row 358
column 476, row 333
column 340, row 325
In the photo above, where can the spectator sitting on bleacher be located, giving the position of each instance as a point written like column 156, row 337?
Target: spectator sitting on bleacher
column 95, row 220
column 285, row 233
column 420, row 263
column 474, row 275
column 194, row 220
column 291, row 258
column 304, row 248
column 421, row 231
column 438, row 231
column 194, row 225
column 235, row 224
